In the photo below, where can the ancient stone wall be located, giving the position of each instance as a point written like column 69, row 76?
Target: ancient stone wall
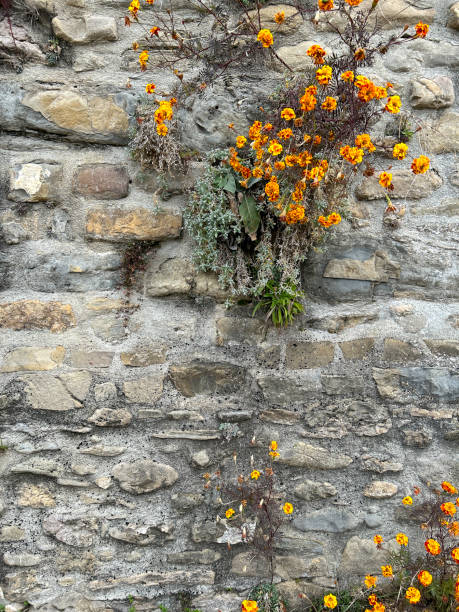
column 109, row 417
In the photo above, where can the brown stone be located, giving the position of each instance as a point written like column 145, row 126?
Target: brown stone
column 406, row 185
column 35, row 182
column 453, row 21
column 447, row 348
column 357, row 349
column 437, row 92
column 397, row 350
column 91, row 28
column 144, row 357
column 301, row 355
column 34, row 314
column 92, row 359
column 33, row 496
column 33, row 359
column 207, row 377
column 377, row 268
column 118, row 225
column 442, row 136
column 380, row 489
column 416, row 438
column 107, row 417
column 102, row 181
column 146, row 390
column 230, row 329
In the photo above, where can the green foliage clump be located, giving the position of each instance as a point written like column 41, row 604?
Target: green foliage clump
column 267, row 597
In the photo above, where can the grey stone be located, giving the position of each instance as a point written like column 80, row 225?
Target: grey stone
column 380, row 466
column 105, row 392
column 250, row 564
column 146, row 390
column 294, row 592
column 357, row 349
column 305, row 455
column 35, row 182
column 280, row 416
column 21, row 559
column 416, row 438
column 77, row 383
column 200, row 557
column 192, row 434
column 144, row 476
column 40, row 467
column 157, row 579
column 285, row 391
column 234, row 416
column 11, row 533
column 201, row 458
column 377, row 268
column 224, row 602
column 187, row 501
column 447, row 348
column 143, row 357
column 342, row 385
column 74, row 602
column 92, row 359
column 207, row 377
column 422, row 186
column 400, row 351
column 432, row 93
column 93, row 28
column 249, row 331
column 310, row 490
column 72, row 532
column 101, row 450
column 106, row 417
column 44, row 392
column 331, row 520
column 438, row 137
column 361, row 557
column 290, row 567
column 140, row 535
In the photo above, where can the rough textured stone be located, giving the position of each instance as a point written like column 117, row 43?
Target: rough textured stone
column 102, row 181
column 453, row 21
column 77, row 383
column 225, row 602
column 33, row 496
column 74, row 602
column 400, row 351
column 381, row 466
column 280, row 416
column 106, row 417
column 310, row 490
column 35, row 314
column 357, row 349
column 120, row 225
column 416, row 438
column 143, row 357
column 380, row 489
column 309, row 354
column 206, row 377
column 11, row 533
column 92, row 359
column 295, row 592
column 284, row 391
column 145, row 390
column 44, row 392
column 331, row 520
column 291, row 567
column 361, row 557
column 422, row 186
column 201, row 557
column 34, row 182
column 105, row 392
column 248, row 331
column 448, row 207
column 378, row 267
column 144, row 476
column 439, row 137
column 157, row 579
column 249, row 564
column 93, row 28
column 307, row 456
column 447, row 348
column 33, row 359
column 295, row 56
column 21, row 559
column 432, row 93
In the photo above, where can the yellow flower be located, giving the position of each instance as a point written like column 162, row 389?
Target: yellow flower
column 274, row 454
column 364, row 142
column 400, row 150
column 455, row 554
column 448, row 508
column 378, row 540
column 265, row 37
column 288, row 114
column 143, row 59
column 272, row 191
column 347, row 76
column 162, row 129
column 448, row 487
column 285, row 134
column 413, row 595
column 402, row 539
column 317, row 54
column 424, row 577
column 240, row 141
column 255, row 475
column 249, row 606
column 353, row 2
column 291, row 160
column 257, row 172
column 406, row 501
column 279, row 17
column 353, row 155
column 330, row 601
column 229, row 513
column 393, row 104
column 134, row 7
column 287, row 507
column 378, row 607
column 420, row 164
column 275, row 148
column 370, row 581
column 454, row 528
column 421, row 30
column 324, row 221
column 325, row 5
column 432, row 547
column 150, row 88
column 386, row 571
column 324, row 75
column 329, row 103
column 334, row 218
column 273, row 445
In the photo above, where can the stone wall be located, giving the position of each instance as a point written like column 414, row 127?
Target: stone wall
column 110, row 417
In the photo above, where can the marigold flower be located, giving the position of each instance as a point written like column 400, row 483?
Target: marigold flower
column 285, row 134
column 162, row 129
column 279, row 165
column 393, row 105
column 290, row 160
column 317, row 140
column 257, row 172
column 273, row 445
column 424, row 577
column 386, row 571
column 413, row 595
column 329, row 104
column 150, row 88
column 143, row 59
column 265, row 37
column 360, row 53
column 134, row 7
column 298, row 122
column 229, row 513
column 275, row 148
column 420, row 165
column 287, row 507
column 380, row 93
column 308, row 102
column 240, row 141
column 370, row 581
column 402, row 539
column 400, row 150
column 255, row 130
column 317, row 54
column 372, row 599
column 330, row 601
column 353, row 155
column 325, row 5
column 406, row 501
column 324, row 75
column 274, row 454
column 304, row 158
column 324, row 221
column 421, row 30
column 272, row 191
column 288, row 114
column 448, row 508
column 379, row 607
column 455, row 554
column 432, row 546
column 334, row 218
column 448, row 487
column 255, row 475
column 279, row 17
column 454, row 528
column 364, row 142
column 249, row 605
column 353, row 2
column 347, row 76
column 377, row 539
column 268, row 127
column 150, row 1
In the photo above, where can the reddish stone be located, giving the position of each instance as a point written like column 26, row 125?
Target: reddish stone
column 102, row 181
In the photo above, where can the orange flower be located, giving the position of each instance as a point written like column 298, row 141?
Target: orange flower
column 257, row 172
column 317, row 140
column 324, row 75
column 448, row 487
column 275, row 148
column 229, row 513
column 413, row 595
column 448, row 508
column 308, row 102
column 329, row 104
column 372, row 599
column 249, row 606
column 432, row 546
column 317, row 54
column 370, row 581
column 272, row 191
column 290, row 160
column 421, row 30
column 420, row 164
column 330, row 601
column 347, row 76
column 402, row 539
column 154, row 31
column 135, row 45
column 353, row 2
column 406, row 501
column 134, row 7
column 279, row 17
column 334, row 218
column 143, row 59
column 393, row 105
column 325, row 5
column 162, row 129
column 353, row 155
column 324, row 221
column 240, row 141
column 150, row 88
column 360, row 53
column 378, row 540
column 424, row 577
column 400, row 150
column 285, row 134
column 364, row 142
column 255, row 475
column 288, row 114
column 287, row 507
column 455, row 554
column 265, row 37
column 386, row 571
column 255, row 130
column 454, row 528
column 279, row 165
column 379, row 607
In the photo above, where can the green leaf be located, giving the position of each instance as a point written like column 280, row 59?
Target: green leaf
column 230, row 184
column 249, row 213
